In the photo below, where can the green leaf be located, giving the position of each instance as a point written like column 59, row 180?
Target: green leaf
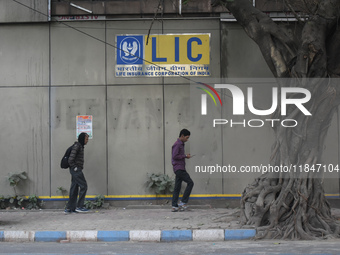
column 160, row 183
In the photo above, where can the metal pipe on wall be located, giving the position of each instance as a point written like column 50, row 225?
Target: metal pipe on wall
column 180, row 7
column 49, row 10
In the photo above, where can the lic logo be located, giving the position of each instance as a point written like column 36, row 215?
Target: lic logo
column 129, row 50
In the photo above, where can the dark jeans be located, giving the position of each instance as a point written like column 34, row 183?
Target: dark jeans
column 78, row 185
column 182, row 175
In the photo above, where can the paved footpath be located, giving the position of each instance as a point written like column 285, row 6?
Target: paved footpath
column 123, row 224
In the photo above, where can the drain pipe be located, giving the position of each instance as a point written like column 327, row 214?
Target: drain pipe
column 180, row 7
column 49, row 10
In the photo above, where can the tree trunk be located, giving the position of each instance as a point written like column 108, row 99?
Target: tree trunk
column 292, row 205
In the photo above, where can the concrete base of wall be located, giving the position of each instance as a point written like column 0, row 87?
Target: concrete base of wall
column 334, row 202
column 208, row 203
column 198, row 203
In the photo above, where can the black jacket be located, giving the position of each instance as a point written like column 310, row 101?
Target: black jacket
column 76, row 158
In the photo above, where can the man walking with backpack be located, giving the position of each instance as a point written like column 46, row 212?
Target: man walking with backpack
column 178, row 162
column 78, row 182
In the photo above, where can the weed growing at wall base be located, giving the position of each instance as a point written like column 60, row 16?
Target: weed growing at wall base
column 160, row 183
column 97, row 202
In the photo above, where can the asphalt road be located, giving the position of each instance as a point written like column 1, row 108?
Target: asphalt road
column 126, row 248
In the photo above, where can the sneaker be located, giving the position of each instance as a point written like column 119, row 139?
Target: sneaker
column 82, row 210
column 174, row 209
column 182, row 205
column 67, row 211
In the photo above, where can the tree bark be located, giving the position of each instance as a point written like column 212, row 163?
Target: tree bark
column 292, row 205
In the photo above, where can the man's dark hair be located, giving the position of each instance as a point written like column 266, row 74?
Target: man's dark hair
column 184, row 132
column 81, row 138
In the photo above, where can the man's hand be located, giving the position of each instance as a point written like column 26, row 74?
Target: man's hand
column 188, row 156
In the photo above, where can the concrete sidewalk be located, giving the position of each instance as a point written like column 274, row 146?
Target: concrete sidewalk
column 133, row 223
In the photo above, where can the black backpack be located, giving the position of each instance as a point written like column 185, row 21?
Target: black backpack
column 64, row 161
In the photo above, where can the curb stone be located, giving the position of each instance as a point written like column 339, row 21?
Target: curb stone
column 176, row 235
column 82, row 236
column 132, row 235
column 112, row 236
column 19, row 236
column 145, row 235
column 49, row 236
column 239, row 234
column 209, row 235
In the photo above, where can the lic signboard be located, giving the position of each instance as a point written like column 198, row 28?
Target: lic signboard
column 130, row 50
column 162, row 55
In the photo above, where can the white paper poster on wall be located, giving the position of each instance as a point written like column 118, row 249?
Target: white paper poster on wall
column 84, row 124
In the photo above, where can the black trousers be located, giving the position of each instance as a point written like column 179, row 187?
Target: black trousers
column 182, row 175
column 78, row 187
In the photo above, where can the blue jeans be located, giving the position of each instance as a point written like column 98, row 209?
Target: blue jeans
column 182, row 175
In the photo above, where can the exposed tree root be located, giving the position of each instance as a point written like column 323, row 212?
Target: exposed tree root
column 280, row 214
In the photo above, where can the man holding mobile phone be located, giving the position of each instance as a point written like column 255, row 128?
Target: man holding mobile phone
column 178, row 162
